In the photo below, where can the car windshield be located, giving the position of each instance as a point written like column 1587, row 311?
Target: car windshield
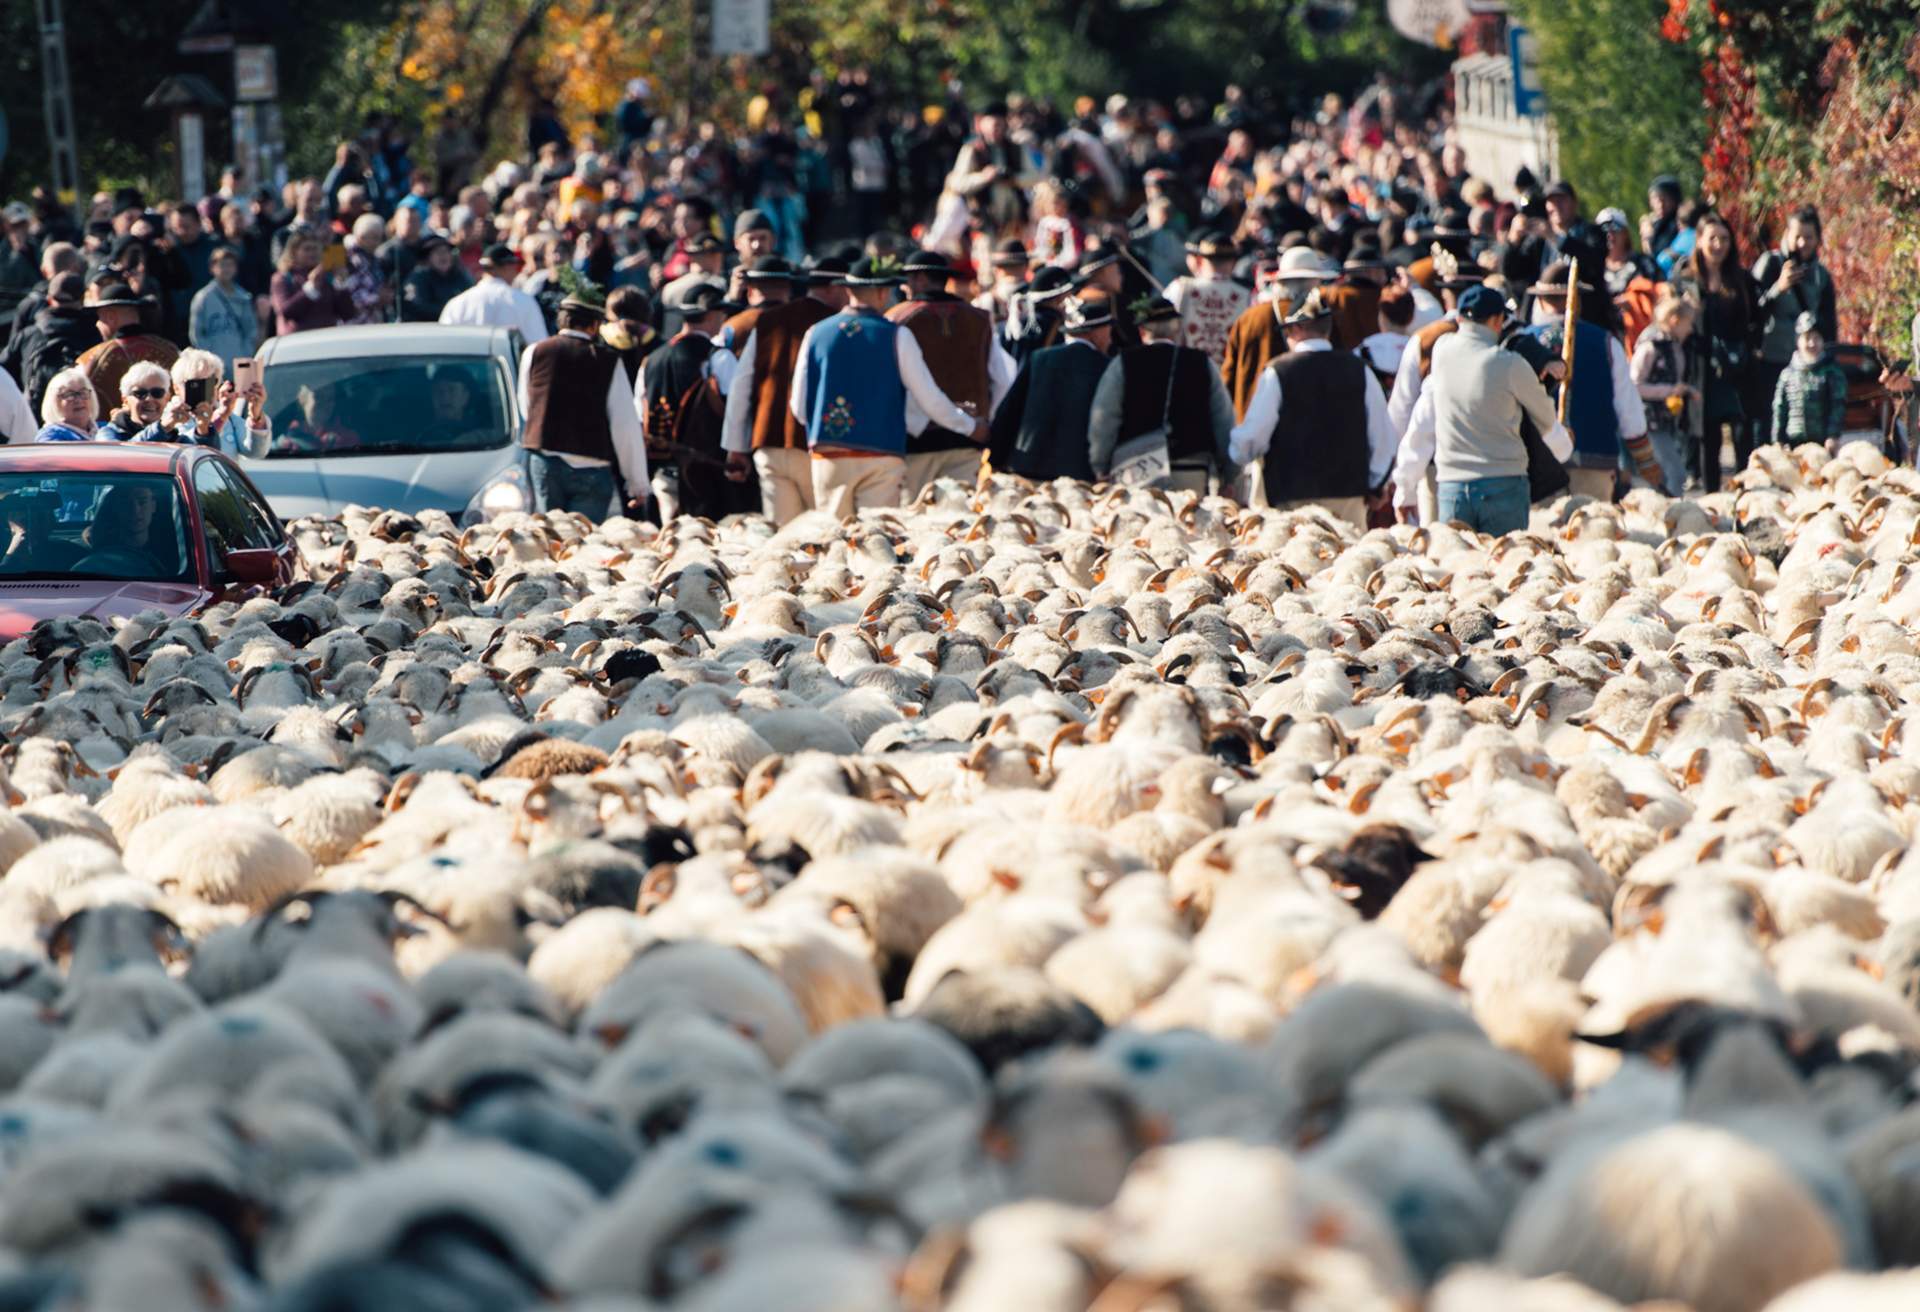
column 87, row 525
column 387, row 406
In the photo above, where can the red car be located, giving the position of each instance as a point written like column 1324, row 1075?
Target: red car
column 109, row 528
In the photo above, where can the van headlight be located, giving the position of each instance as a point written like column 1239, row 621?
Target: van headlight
column 506, row 493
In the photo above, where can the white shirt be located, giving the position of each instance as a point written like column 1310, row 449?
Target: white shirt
column 1407, row 384
column 623, row 422
column 1384, row 351
column 1252, row 435
column 495, row 303
column 17, row 424
column 914, row 375
column 1416, row 448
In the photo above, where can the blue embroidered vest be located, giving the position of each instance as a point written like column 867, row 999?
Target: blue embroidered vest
column 1590, row 411
column 854, row 396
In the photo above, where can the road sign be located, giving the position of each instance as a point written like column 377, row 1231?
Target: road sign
column 740, row 27
column 1529, row 101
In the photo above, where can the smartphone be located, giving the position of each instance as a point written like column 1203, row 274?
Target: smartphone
column 245, row 374
column 334, row 259
column 197, row 391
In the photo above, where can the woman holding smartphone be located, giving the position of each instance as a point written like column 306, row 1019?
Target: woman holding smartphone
column 305, row 293
column 204, row 411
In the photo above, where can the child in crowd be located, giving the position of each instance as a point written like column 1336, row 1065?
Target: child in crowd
column 1667, row 370
column 1810, row 400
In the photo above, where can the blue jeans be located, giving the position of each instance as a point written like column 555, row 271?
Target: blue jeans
column 558, row 485
column 1488, row 505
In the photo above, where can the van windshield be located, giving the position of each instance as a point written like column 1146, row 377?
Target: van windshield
column 387, row 405
column 94, row 526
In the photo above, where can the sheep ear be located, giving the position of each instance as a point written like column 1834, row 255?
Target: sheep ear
column 1619, row 1041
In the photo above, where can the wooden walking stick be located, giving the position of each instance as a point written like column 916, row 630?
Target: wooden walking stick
column 1566, row 345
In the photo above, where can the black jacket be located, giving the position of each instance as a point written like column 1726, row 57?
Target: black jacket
column 426, row 293
column 1040, row 430
column 54, row 340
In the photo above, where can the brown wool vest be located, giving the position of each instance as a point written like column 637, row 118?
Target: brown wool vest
column 567, row 398
column 778, row 334
column 955, row 338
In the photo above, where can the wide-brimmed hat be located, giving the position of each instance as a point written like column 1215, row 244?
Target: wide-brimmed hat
column 117, row 294
column 1051, row 283
column 1099, row 260
column 703, row 296
column 932, row 263
column 1363, row 259
column 1084, row 314
column 1556, row 280
column 873, row 271
column 1302, row 263
column 827, row 272
column 1153, row 309
column 1312, row 310
column 498, row 256
column 770, row 268
column 1009, row 253
column 1211, row 245
column 703, row 243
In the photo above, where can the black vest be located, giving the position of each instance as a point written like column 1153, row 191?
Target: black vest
column 671, row 373
column 567, row 386
column 1319, row 446
column 1047, row 437
column 1144, row 400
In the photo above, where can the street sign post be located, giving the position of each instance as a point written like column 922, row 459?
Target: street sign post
column 1529, row 101
column 741, row 27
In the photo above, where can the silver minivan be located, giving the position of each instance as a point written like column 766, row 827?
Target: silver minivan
column 406, row 417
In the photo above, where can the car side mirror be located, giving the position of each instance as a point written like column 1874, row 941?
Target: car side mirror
column 252, row 564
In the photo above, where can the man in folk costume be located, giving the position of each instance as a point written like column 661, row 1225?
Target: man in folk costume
column 769, row 282
column 851, row 385
column 1256, row 339
column 683, row 387
column 1034, row 314
column 1317, row 423
column 1355, row 298
column 1010, row 265
column 1164, row 384
column 1604, row 412
column 1040, row 431
column 1207, row 299
column 760, row 433
column 583, row 433
column 1101, row 275
column 1451, row 277
column 966, row 360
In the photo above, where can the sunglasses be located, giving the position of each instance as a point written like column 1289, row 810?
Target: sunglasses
column 147, row 393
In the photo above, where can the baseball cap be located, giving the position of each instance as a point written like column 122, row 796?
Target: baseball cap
column 67, row 289
column 17, row 212
column 1612, row 217
column 1808, row 322
column 1481, row 304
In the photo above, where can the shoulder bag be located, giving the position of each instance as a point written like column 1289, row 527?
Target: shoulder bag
column 1145, row 461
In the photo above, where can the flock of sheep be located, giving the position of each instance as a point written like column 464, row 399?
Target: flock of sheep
column 1036, row 898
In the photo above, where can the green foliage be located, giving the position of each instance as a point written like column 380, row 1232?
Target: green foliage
column 1625, row 101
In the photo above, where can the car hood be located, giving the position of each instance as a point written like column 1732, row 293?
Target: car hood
column 326, row 485
column 25, row 602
